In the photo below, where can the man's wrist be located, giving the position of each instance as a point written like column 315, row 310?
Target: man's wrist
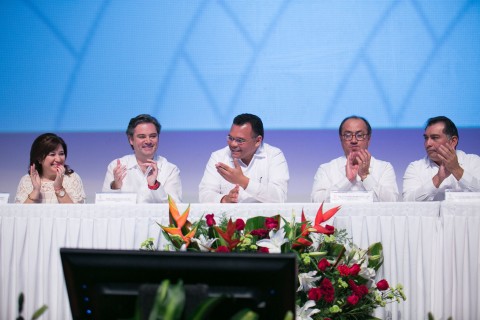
column 458, row 173
column 436, row 181
column 113, row 185
column 155, row 186
column 244, row 183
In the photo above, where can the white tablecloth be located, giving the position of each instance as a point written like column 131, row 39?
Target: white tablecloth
column 460, row 260
column 431, row 248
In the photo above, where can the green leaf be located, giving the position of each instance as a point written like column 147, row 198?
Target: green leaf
column 254, row 224
column 169, row 302
column 375, row 249
column 21, row 299
column 375, row 259
column 204, row 310
column 289, row 316
column 39, row 312
column 245, row 314
column 336, row 249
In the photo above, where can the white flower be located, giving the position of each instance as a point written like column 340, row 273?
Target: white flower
column 306, row 280
column 274, row 244
column 316, row 239
column 356, row 255
column 203, row 243
column 366, row 273
column 305, row 313
column 360, row 257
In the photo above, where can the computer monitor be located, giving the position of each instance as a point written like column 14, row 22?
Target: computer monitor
column 105, row 284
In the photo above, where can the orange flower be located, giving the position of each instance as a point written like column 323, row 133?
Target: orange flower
column 181, row 226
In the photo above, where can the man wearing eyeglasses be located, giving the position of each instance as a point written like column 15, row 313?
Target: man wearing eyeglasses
column 444, row 167
column 357, row 170
column 247, row 170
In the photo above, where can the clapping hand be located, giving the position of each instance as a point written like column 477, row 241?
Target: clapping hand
column 119, row 173
column 151, row 171
column 232, row 196
column 358, row 163
column 58, row 182
column 448, row 165
column 35, row 177
column 233, row 175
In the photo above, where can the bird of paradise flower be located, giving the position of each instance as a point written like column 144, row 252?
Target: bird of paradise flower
column 180, row 229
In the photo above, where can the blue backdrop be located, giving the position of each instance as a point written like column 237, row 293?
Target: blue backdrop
column 303, row 64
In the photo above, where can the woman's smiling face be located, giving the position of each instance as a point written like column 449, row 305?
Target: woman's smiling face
column 52, row 161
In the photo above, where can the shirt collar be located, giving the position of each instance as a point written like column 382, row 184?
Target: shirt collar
column 259, row 153
column 132, row 162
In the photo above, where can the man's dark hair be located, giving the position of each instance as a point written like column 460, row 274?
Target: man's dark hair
column 369, row 128
column 450, row 130
column 255, row 122
column 142, row 118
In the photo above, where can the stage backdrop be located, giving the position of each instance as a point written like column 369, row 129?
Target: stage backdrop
column 84, row 68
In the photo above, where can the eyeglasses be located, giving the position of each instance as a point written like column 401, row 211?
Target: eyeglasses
column 239, row 141
column 358, row 135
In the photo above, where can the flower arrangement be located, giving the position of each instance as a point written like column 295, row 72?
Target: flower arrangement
column 336, row 278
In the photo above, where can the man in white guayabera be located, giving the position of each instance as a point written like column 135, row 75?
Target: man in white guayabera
column 247, row 170
column 151, row 177
column 357, row 170
column 443, row 168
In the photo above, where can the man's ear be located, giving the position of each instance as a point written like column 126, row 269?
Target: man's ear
column 454, row 142
column 258, row 141
column 130, row 141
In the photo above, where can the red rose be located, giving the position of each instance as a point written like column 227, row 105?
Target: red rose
column 323, row 264
column 261, row 233
column 329, row 297
column 210, row 220
column 382, row 285
column 358, row 290
column 362, row 290
column 344, row 270
column 222, row 249
column 353, row 299
column 271, row 223
column 352, row 284
column 326, row 284
column 263, row 250
column 354, row 270
column 239, row 224
column 330, row 228
column 327, row 290
column 314, row 294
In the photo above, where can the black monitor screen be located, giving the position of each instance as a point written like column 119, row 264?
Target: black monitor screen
column 105, row 284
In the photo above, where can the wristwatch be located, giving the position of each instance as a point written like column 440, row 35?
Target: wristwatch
column 61, row 193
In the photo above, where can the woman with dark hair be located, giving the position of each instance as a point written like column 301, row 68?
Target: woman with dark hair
column 49, row 179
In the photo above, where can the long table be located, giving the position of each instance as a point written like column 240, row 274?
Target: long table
column 431, row 248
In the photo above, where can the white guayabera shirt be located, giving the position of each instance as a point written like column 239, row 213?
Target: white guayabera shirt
column 136, row 182
column 268, row 174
